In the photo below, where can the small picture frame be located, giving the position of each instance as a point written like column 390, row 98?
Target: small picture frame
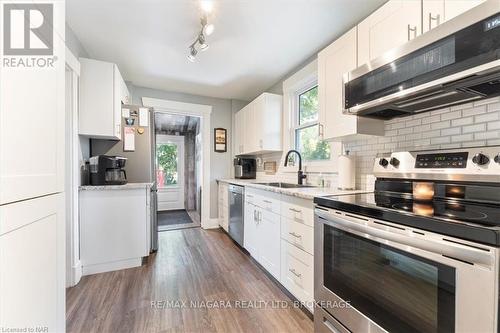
column 220, row 140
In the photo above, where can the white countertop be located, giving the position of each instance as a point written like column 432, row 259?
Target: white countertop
column 302, row 192
column 128, row 186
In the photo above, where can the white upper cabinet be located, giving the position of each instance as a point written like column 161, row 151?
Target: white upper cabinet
column 335, row 60
column 436, row 12
column 102, row 92
column 392, row 25
column 257, row 127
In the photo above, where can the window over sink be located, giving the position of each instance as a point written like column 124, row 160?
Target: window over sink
column 306, row 126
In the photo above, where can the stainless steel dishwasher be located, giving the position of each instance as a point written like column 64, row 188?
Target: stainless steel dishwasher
column 236, row 210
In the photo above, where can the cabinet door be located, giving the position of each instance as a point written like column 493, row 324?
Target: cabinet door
column 269, row 242
column 250, row 140
column 32, row 130
column 118, row 97
column 433, row 14
column 333, row 62
column 239, row 132
column 270, row 110
column 454, row 8
column 32, row 277
column 250, row 229
column 392, row 25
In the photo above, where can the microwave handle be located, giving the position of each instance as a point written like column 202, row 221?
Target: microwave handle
column 382, row 232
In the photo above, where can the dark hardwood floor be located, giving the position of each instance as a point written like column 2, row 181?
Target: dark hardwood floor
column 191, row 265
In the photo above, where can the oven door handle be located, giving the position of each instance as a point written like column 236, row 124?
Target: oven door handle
column 384, row 232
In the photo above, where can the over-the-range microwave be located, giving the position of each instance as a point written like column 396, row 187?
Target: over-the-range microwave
column 454, row 63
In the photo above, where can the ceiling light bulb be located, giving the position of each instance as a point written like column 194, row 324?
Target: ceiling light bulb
column 202, row 42
column 204, row 46
column 207, row 6
column 192, row 54
column 208, row 29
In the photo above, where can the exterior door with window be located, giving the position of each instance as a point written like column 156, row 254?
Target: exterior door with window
column 170, row 171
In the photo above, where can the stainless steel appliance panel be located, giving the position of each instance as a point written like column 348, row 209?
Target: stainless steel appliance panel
column 376, row 276
column 236, row 213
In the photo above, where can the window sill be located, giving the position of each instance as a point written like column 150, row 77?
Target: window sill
column 325, row 166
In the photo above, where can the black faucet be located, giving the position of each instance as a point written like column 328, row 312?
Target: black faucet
column 300, row 174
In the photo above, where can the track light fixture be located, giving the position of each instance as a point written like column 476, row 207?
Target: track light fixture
column 192, row 53
column 206, row 30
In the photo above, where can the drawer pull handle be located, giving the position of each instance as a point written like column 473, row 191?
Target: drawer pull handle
column 295, row 235
column 294, row 272
column 267, row 201
column 295, row 210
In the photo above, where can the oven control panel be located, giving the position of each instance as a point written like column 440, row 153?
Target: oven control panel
column 441, row 160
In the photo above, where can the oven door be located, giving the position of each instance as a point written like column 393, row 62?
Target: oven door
column 375, row 276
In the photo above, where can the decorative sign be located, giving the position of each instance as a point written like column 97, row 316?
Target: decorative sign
column 220, row 140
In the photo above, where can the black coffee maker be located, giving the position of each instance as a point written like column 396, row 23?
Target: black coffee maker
column 107, row 170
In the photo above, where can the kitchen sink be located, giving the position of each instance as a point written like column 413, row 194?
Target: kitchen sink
column 285, row 185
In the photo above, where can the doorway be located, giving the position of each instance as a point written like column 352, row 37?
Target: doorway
column 177, row 151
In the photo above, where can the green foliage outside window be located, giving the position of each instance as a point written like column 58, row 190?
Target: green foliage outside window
column 307, row 138
column 166, row 157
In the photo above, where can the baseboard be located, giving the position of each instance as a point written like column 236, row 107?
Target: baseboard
column 111, row 266
column 74, row 275
column 212, row 223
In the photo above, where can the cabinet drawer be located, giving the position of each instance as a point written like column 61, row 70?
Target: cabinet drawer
column 298, row 234
column 297, row 209
column 297, row 272
column 266, row 200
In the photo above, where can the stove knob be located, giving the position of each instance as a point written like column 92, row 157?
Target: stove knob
column 497, row 158
column 480, row 159
column 394, row 162
column 383, row 162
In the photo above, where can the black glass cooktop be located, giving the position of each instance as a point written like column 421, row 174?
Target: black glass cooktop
column 472, row 221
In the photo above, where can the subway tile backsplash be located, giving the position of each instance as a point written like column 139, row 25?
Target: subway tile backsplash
column 467, row 125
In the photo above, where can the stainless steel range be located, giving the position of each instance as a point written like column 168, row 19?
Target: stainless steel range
column 419, row 254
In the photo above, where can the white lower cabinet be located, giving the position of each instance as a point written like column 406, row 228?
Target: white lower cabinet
column 297, row 273
column 224, row 206
column 279, row 235
column 268, row 242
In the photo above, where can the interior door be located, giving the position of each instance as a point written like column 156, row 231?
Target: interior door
column 170, row 171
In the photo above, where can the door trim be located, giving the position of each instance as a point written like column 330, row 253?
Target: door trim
column 203, row 112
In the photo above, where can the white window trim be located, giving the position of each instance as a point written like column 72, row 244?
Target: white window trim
column 301, row 81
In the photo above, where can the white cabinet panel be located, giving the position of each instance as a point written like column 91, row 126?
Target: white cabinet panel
column 32, row 130
column 390, row 26
column 250, row 229
column 223, row 206
column 454, row 8
column 102, row 92
column 268, row 242
column 298, row 210
column 298, row 234
column 257, row 127
column 32, row 277
column 335, row 60
column 297, row 272
column 113, row 229
column 435, row 12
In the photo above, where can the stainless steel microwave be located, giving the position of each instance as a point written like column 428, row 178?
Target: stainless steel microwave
column 455, row 63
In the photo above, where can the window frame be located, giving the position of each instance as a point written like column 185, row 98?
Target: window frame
column 296, row 126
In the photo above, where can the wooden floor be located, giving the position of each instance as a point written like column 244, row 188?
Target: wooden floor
column 191, row 265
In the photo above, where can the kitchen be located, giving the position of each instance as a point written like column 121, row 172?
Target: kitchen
column 349, row 184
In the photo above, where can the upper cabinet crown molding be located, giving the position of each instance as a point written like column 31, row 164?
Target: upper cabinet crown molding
column 257, row 127
column 102, row 92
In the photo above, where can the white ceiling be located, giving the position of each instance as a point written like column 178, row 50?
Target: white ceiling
column 255, row 42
